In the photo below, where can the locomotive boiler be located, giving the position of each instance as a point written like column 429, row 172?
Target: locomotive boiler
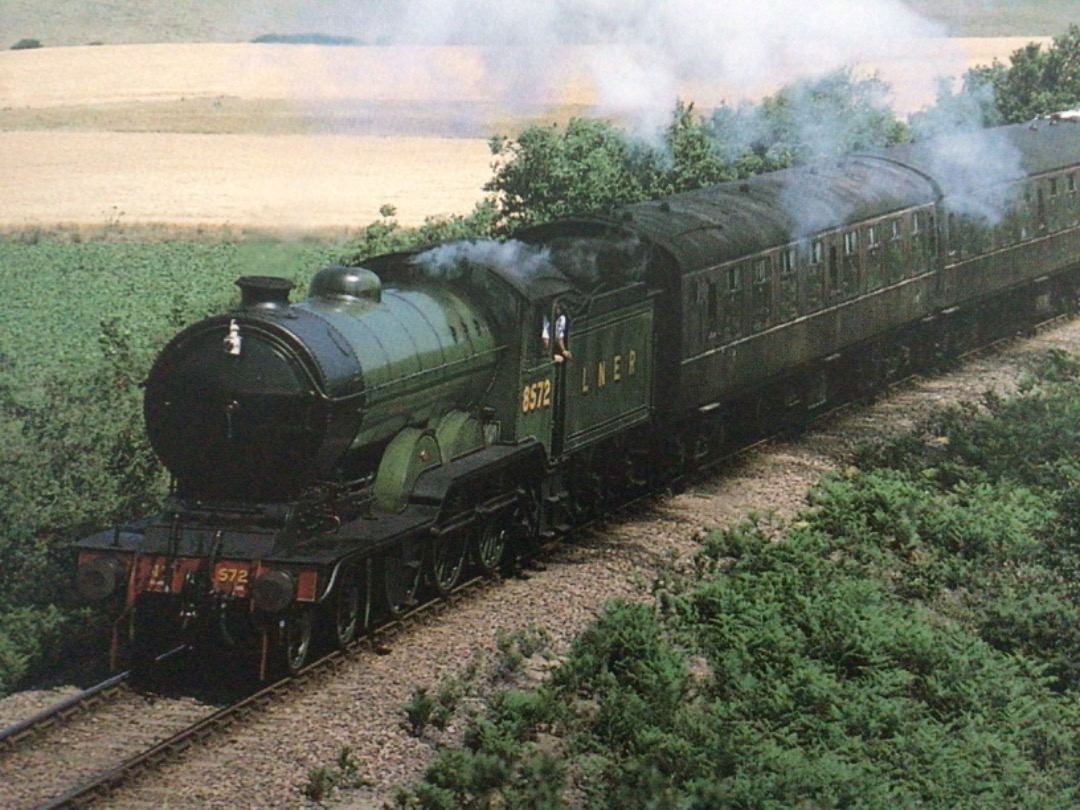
column 339, row 459
column 274, row 398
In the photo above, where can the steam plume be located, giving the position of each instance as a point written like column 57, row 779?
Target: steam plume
column 643, row 54
column 512, row 257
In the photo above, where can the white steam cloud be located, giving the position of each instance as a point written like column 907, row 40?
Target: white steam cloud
column 513, row 257
column 978, row 172
column 977, row 169
column 639, row 56
column 636, row 58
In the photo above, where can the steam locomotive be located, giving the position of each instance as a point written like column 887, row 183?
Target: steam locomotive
column 431, row 414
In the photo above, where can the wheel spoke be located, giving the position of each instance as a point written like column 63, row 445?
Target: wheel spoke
column 347, row 609
column 489, row 545
column 448, row 561
column 296, row 639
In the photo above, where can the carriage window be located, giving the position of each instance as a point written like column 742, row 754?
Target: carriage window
column 1070, row 183
column 789, row 285
column 895, row 229
column 1053, row 187
column 851, row 242
column 813, row 286
column 762, row 270
column 817, row 252
column 732, row 309
column 919, row 252
column 876, row 273
column 954, row 235
column 833, row 271
column 787, row 261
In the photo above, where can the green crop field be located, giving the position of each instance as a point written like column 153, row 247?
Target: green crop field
column 57, row 295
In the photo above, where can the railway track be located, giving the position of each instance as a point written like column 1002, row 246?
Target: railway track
column 92, row 744
column 61, row 712
column 57, row 753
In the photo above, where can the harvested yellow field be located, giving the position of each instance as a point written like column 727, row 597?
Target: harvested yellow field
column 301, row 182
column 301, row 138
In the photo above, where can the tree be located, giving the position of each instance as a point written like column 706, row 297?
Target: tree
column 827, row 117
column 697, row 159
column 1036, row 82
column 545, row 174
column 593, row 166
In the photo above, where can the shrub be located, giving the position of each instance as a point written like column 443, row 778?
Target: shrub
column 418, row 711
column 320, row 784
column 910, row 642
column 33, row 638
column 323, row 781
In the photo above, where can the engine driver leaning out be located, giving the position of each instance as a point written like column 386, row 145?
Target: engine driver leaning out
column 561, row 349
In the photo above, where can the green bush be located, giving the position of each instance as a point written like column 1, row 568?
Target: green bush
column 418, row 711
column 76, row 458
column 323, row 781
column 34, row 637
column 910, row 642
column 1036, row 82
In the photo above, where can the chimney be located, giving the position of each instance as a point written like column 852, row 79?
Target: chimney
column 264, row 293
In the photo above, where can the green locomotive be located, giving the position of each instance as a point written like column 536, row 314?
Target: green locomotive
column 428, row 414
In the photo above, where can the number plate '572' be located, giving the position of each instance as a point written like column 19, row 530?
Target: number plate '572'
column 232, row 579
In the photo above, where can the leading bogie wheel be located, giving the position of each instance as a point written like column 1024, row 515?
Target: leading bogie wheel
column 348, row 604
column 295, row 632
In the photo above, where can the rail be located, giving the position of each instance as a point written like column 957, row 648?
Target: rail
column 61, row 711
column 111, row 779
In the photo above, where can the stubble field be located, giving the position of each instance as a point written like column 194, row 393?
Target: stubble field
column 307, row 139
